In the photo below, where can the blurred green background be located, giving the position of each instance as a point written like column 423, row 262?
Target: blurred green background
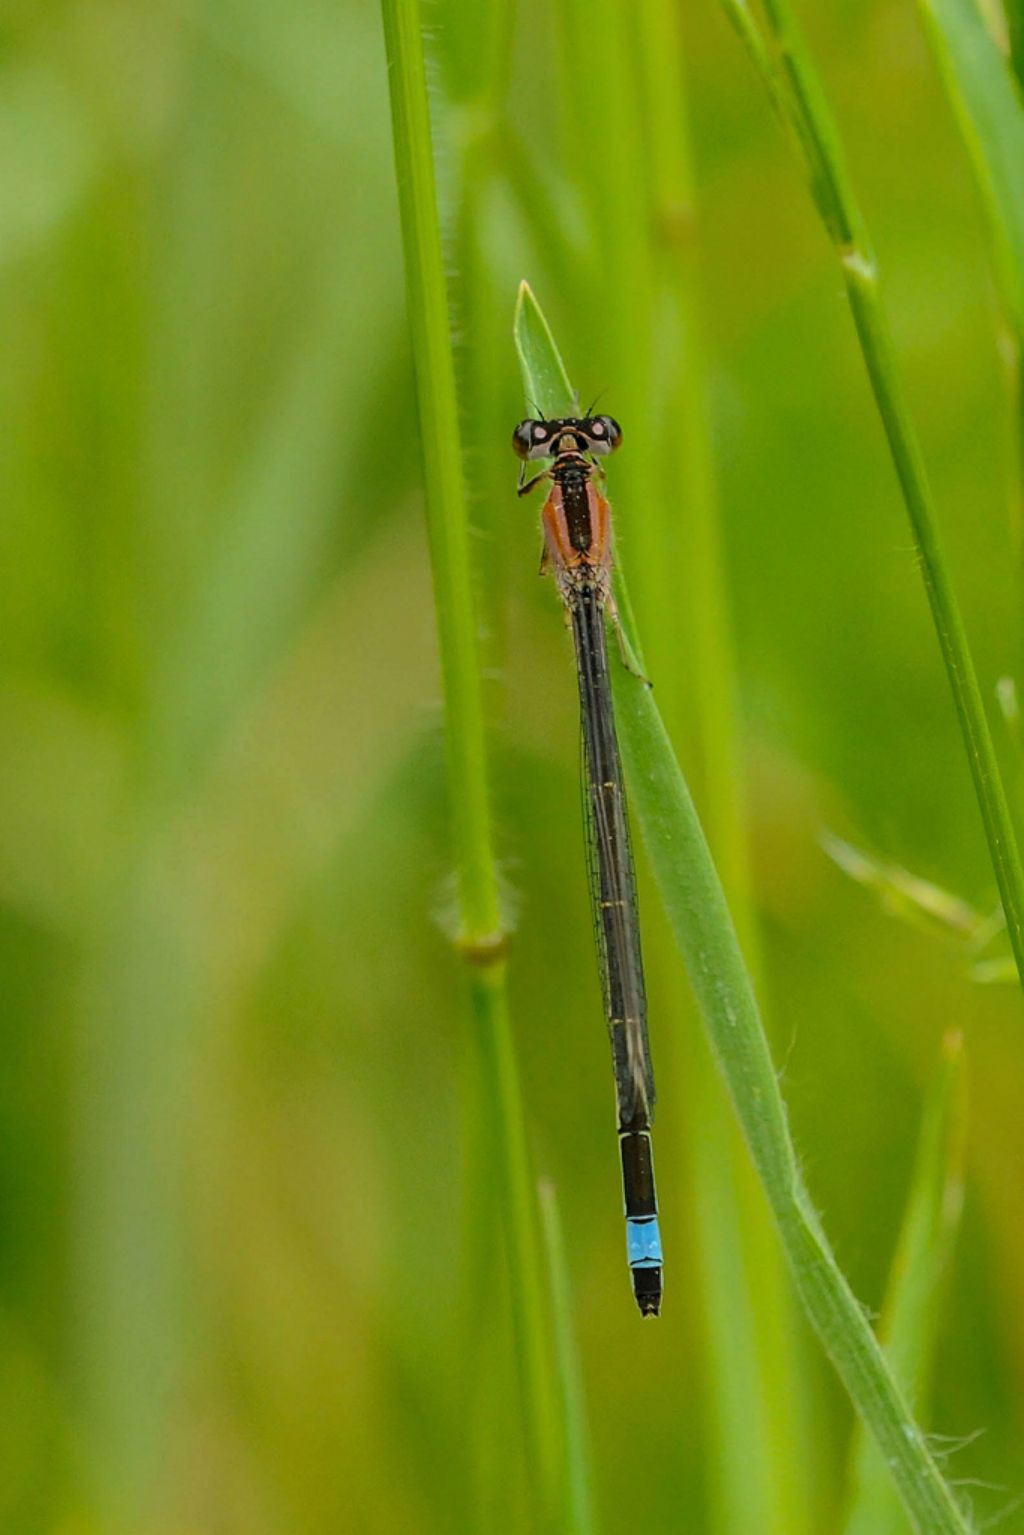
column 235, row 1066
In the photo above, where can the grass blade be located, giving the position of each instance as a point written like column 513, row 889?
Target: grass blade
column 913, row 1304
column 550, row 390
column 697, row 910
column 481, row 940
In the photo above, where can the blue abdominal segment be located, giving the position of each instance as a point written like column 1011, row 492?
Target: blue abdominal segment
column 643, row 1243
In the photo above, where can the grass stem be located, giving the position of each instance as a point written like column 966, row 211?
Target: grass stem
column 797, row 94
column 480, row 938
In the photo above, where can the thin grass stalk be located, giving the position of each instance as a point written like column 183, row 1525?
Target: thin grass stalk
column 697, row 909
column 578, row 1514
column 797, row 93
column 473, row 70
column 472, row 135
column 442, row 471
column 545, row 1438
column 480, row 937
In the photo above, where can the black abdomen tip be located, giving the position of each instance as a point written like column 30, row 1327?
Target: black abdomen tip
column 647, row 1289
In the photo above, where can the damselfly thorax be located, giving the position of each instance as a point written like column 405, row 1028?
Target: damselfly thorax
column 576, row 518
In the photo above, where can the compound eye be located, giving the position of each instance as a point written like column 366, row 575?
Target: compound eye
column 530, row 439
column 522, row 439
column 605, row 434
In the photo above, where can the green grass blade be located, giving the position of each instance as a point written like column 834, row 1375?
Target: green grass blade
column 796, row 91
column 912, row 1311
column 550, row 391
column 480, row 937
column 987, row 102
column 579, row 1495
column 697, row 910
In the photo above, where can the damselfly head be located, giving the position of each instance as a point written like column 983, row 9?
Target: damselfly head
column 548, row 439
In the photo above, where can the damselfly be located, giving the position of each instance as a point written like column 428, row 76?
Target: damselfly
column 578, row 548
